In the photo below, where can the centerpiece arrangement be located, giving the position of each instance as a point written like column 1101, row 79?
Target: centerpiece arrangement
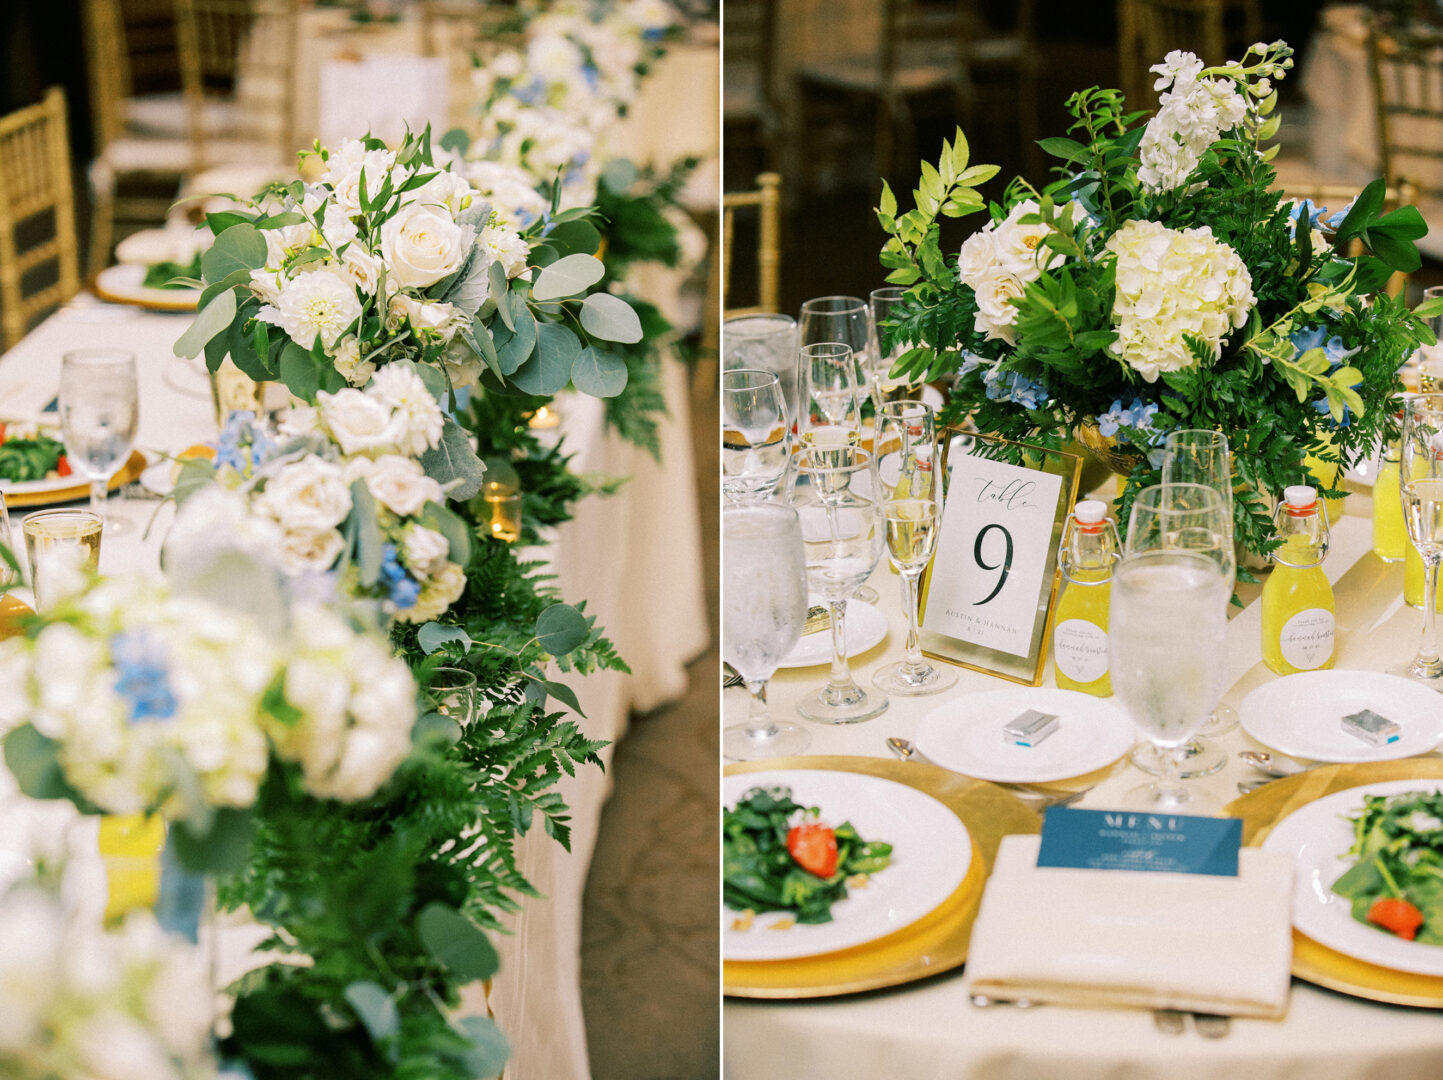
column 1162, row 282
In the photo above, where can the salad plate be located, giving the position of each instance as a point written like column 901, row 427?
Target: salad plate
column 933, row 944
column 866, row 627
column 931, row 852
column 965, row 734
column 53, row 487
column 1318, row 837
column 1302, row 715
column 125, row 284
column 1331, row 963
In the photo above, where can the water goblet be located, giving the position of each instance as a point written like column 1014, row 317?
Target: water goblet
column 836, row 497
column 911, row 529
column 766, row 342
column 756, row 434
column 99, row 404
column 764, row 606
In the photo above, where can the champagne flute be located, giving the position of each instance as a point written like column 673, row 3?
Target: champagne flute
column 905, row 444
column 885, row 303
column 912, row 525
column 1421, row 492
column 1166, row 628
column 99, row 411
column 842, row 534
column 764, row 606
column 756, row 434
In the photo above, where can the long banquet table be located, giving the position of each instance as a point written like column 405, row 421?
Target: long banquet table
column 930, row 1031
column 652, row 608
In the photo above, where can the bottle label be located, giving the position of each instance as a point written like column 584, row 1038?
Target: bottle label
column 1079, row 649
column 1307, row 638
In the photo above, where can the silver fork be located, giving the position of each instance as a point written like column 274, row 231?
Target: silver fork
column 1042, row 800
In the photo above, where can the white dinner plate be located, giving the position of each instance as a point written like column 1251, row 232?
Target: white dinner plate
column 1302, row 715
column 27, row 429
column 122, row 284
column 866, row 626
column 965, row 735
column 931, row 852
column 1318, row 836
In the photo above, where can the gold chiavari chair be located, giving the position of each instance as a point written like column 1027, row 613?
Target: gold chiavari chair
column 768, row 199
column 1337, row 196
column 34, row 184
column 1406, row 70
column 750, row 113
column 1147, row 30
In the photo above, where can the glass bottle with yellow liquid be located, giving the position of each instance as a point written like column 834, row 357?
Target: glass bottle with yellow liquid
column 1328, row 474
column 1090, row 548
column 1390, row 534
column 1297, row 599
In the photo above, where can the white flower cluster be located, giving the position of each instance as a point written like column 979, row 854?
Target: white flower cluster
column 322, row 273
column 1189, row 119
column 1171, row 283
column 998, row 262
column 75, row 1001
column 160, row 700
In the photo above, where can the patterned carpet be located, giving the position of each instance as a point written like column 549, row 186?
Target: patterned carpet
column 649, row 976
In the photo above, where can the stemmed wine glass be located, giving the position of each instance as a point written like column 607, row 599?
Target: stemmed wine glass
column 884, row 303
column 836, row 497
column 1166, row 628
column 764, row 606
column 99, row 412
column 912, row 525
column 1421, row 491
column 756, row 434
column 844, row 319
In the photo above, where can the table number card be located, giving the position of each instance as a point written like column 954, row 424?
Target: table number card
column 1140, row 840
column 986, row 597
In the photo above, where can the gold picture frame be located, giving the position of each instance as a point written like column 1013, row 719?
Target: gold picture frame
column 1017, row 667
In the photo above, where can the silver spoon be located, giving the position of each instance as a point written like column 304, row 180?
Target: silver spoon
column 1275, row 765
column 907, row 751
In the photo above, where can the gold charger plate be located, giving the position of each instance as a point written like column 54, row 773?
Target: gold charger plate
column 131, row 470
column 1312, row 961
column 933, row 944
column 120, row 284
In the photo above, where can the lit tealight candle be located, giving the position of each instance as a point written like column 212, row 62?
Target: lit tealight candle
column 504, row 502
column 544, row 417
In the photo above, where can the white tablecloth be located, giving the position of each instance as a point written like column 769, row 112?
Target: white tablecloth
column 931, row 1031
column 634, row 557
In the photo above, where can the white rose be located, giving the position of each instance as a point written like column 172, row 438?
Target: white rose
column 367, row 761
column 437, row 594
column 996, row 317
column 445, row 189
column 349, row 364
column 431, row 320
column 307, row 494
column 1019, row 247
column 425, row 550
column 301, row 420
column 401, row 485
column 463, row 367
column 344, row 174
column 310, row 551
column 422, row 244
column 363, row 268
column 358, row 422
column 978, row 258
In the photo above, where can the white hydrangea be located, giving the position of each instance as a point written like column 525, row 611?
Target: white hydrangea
column 998, row 262
column 1171, row 283
column 1189, row 118
column 132, row 1004
column 320, row 303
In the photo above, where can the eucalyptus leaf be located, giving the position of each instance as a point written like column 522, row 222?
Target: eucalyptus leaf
column 573, row 237
column 489, row 1049
column 457, row 942
column 499, row 288
column 457, row 141
column 610, row 318
column 569, row 276
column 512, row 349
column 434, row 635
column 34, row 760
column 299, row 371
column 215, row 318
column 453, row 463
column 376, row 1009
column 619, row 174
column 599, row 373
column 240, row 247
column 548, row 370
column 563, row 693
column 368, row 534
column 450, row 525
column 221, row 849
column 561, row 628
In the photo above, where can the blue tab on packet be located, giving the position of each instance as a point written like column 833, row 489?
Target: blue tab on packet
column 1137, row 840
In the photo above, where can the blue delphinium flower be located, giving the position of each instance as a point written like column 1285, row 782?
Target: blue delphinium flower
column 141, row 677
column 591, row 75
column 1137, row 416
column 1318, row 216
column 1010, row 386
column 228, row 447
column 971, row 362
column 1316, row 337
column 403, row 590
column 531, row 93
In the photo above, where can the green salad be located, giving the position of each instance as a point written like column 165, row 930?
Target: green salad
column 159, row 275
column 1397, row 883
column 29, row 459
column 777, row 855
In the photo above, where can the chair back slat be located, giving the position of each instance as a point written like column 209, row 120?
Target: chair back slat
column 1406, row 69
column 35, row 181
column 767, row 198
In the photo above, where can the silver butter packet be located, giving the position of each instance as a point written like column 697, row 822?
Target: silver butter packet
column 1029, row 728
column 1373, row 729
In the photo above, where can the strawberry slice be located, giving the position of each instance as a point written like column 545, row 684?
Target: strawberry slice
column 63, row 466
column 814, row 849
column 1397, row 915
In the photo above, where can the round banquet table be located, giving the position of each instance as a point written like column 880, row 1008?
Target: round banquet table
column 929, row 1030
column 650, row 603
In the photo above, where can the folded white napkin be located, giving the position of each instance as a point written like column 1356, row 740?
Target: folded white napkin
column 1112, row 937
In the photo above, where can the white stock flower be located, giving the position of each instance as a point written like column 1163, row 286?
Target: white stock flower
column 1171, row 283
column 422, row 244
column 430, row 319
column 310, row 551
column 319, row 303
column 1189, row 118
column 359, row 422
column 425, row 549
column 419, row 416
column 400, row 484
column 307, row 494
column 505, row 246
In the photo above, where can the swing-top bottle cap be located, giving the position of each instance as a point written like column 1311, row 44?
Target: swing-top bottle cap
column 1090, row 512
column 1300, row 497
